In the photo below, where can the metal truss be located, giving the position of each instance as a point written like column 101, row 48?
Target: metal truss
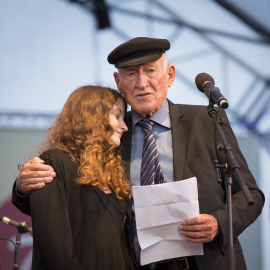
column 252, row 111
column 253, row 114
column 32, row 121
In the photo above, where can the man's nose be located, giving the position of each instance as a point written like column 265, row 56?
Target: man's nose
column 142, row 81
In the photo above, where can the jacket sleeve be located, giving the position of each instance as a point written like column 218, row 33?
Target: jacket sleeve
column 242, row 214
column 51, row 226
column 21, row 203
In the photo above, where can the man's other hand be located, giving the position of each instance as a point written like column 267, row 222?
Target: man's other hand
column 201, row 229
column 34, row 175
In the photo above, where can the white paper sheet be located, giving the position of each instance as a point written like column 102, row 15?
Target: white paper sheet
column 159, row 210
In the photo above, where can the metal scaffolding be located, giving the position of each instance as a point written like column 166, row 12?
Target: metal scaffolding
column 251, row 110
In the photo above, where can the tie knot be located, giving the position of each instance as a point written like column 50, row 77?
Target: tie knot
column 146, row 125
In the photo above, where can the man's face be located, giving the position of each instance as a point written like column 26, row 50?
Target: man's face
column 145, row 86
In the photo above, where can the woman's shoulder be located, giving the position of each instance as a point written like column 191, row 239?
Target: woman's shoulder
column 61, row 162
column 54, row 153
column 56, row 156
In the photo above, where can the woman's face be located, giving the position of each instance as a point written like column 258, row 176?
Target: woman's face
column 116, row 116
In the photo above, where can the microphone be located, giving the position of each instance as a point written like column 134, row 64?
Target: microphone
column 22, row 226
column 206, row 84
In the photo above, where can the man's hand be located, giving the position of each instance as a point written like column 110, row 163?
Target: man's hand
column 34, row 175
column 200, row 229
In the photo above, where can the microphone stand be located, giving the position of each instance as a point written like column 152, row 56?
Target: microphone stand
column 229, row 168
column 16, row 252
column 22, row 228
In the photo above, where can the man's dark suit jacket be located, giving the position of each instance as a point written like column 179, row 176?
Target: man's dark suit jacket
column 195, row 141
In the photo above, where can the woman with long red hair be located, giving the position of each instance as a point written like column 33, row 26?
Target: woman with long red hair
column 79, row 219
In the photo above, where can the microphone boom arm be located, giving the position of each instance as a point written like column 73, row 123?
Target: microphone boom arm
column 228, row 150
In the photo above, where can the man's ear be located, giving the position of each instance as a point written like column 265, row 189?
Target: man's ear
column 171, row 74
column 117, row 81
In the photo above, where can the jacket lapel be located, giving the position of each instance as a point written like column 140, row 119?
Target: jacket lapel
column 126, row 145
column 179, row 139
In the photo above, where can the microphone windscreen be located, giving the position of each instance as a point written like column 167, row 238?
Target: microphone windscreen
column 201, row 79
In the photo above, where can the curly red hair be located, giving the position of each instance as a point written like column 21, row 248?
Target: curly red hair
column 83, row 130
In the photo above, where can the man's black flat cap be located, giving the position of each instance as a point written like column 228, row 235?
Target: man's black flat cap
column 138, row 51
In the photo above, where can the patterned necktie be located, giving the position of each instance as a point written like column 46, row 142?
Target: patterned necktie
column 151, row 172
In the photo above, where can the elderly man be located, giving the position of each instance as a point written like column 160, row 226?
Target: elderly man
column 185, row 141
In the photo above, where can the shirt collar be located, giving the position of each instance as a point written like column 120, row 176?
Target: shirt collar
column 161, row 117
